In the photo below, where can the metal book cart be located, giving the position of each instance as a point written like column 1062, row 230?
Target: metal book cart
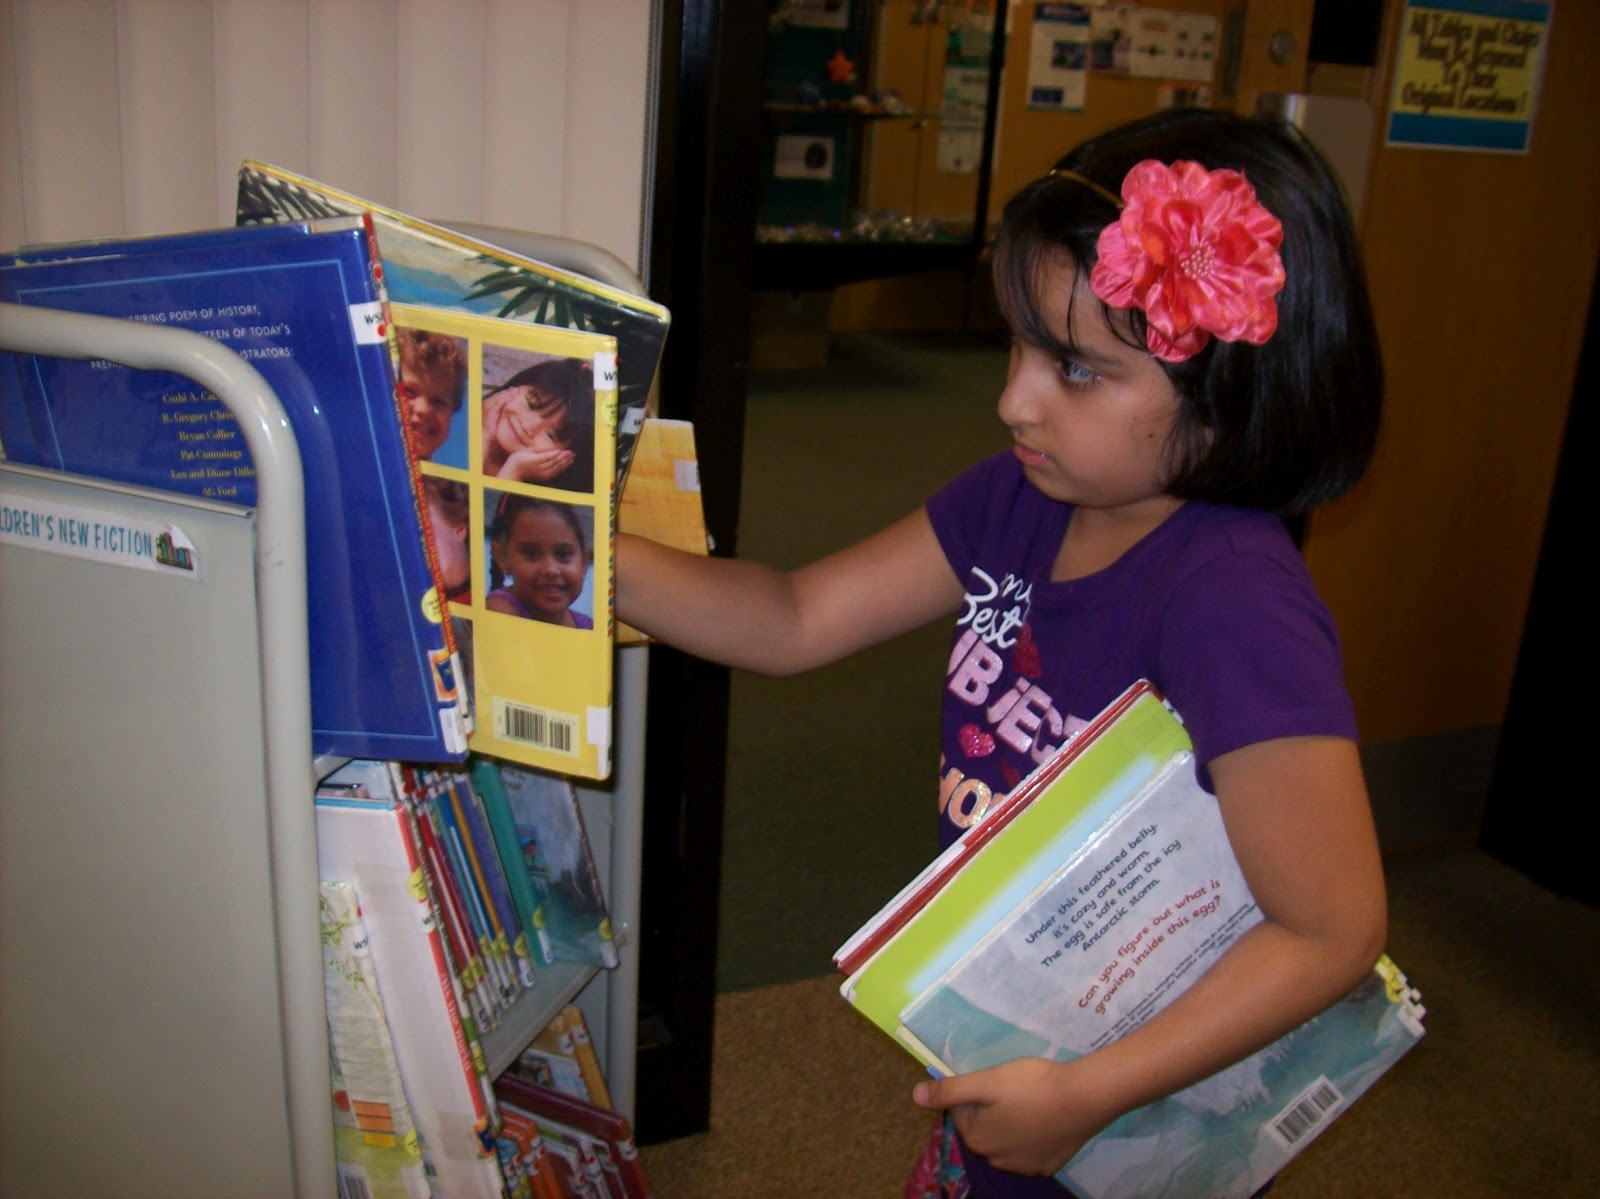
column 162, row 1023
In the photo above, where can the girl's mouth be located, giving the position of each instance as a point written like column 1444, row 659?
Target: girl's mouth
column 1029, row 457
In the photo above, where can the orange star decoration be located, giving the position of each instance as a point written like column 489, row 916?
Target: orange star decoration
column 840, row 68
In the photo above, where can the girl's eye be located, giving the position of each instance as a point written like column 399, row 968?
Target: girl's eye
column 1075, row 374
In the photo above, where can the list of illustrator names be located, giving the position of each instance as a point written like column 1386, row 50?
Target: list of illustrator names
column 208, row 451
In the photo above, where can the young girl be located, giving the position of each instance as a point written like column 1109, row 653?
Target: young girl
column 537, row 426
column 541, row 552
column 1193, row 357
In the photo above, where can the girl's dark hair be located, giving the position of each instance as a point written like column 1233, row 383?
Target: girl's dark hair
column 512, row 506
column 1283, row 426
column 570, row 380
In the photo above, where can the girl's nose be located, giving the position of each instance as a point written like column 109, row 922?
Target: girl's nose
column 1018, row 403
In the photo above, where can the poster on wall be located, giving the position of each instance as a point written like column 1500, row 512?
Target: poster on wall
column 1110, row 37
column 965, row 97
column 1058, row 56
column 1173, row 45
column 1466, row 74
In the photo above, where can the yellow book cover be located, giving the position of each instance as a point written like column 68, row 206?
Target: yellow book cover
column 661, row 498
column 514, row 426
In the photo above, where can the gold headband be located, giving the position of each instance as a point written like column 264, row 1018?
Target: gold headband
column 1104, row 193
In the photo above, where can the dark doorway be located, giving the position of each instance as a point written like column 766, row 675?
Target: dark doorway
column 701, row 238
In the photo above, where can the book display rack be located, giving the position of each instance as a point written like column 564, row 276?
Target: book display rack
column 155, row 789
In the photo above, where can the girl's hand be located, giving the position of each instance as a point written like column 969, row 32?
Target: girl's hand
column 536, row 466
column 1028, row 1116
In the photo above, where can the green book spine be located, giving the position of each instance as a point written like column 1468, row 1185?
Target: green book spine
column 502, row 827
column 991, row 883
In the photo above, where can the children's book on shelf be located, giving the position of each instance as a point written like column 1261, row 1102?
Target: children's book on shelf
column 484, row 775
column 661, row 499
column 562, row 1057
column 426, row 263
column 377, row 1151
column 473, row 892
column 303, row 303
column 532, row 1171
column 519, row 493
column 366, row 836
column 605, row 1133
column 1100, row 890
column 574, row 1027
column 556, row 852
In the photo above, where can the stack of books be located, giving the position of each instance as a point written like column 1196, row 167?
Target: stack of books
column 1093, row 894
column 434, row 860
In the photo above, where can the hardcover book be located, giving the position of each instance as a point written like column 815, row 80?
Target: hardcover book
column 302, row 303
column 530, row 1156
column 661, row 499
column 426, row 263
column 607, row 1132
column 365, row 837
column 562, row 1057
column 520, row 492
column 560, row 861
column 376, row 1147
column 1098, row 900
column 484, row 774
column 467, row 864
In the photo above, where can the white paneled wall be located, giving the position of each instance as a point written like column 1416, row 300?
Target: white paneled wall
column 126, row 117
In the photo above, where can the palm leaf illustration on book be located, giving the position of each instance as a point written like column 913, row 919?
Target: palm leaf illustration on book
column 429, row 263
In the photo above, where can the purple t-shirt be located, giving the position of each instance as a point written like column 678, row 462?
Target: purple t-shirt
column 1215, row 607
column 579, row 620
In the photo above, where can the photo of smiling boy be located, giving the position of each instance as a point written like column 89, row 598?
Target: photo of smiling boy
column 432, row 385
column 540, row 554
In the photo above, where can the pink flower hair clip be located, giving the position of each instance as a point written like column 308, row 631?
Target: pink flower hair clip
column 1196, row 252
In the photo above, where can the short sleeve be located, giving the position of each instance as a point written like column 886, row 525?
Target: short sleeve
column 1250, row 653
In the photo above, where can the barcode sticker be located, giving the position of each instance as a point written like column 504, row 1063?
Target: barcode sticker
column 540, row 727
column 353, row 1182
column 1310, row 1109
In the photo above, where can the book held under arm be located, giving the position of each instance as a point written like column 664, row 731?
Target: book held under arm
column 1093, row 896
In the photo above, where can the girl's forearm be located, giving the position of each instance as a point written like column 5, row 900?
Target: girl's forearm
column 1268, row 984
column 724, row 610
column 782, row 622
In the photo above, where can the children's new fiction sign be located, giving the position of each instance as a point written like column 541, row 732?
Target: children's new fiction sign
column 1466, row 74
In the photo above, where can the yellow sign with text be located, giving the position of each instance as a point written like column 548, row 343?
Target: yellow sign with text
column 1468, row 64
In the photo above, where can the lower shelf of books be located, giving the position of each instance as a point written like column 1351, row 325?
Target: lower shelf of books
column 558, row 985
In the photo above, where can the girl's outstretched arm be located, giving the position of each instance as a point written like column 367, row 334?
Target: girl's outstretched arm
column 783, row 622
column 1296, row 811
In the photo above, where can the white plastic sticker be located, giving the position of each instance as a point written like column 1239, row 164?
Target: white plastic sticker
column 367, row 320
column 99, row 535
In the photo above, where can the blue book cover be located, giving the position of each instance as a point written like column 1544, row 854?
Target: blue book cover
column 302, row 302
